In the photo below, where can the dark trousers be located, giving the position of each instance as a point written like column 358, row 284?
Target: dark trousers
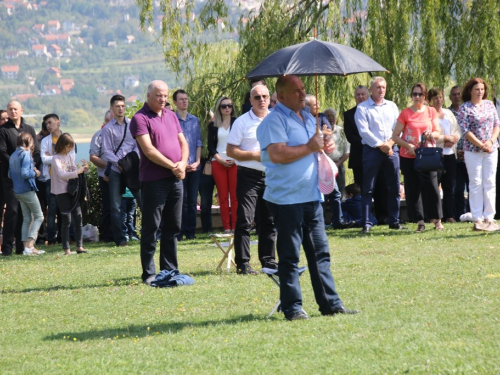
column 418, row 185
column 447, row 181
column 106, row 232
column 13, row 220
column 373, row 161
column 303, row 224
column 162, row 201
column 64, row 204
column 41, row 193
column 358, row 176
column 127, row 212
column 334, row 199
column 249, row 191
column 2, row 203
column 340, row 180
column 207, row 185
column 53, row 212
column 191, row 187
column 461, row 184
column 379, row 193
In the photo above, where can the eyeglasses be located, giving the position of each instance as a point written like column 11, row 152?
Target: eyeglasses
column 274, row 101
column 419, row 94
column 224, row 106
column 259, row 97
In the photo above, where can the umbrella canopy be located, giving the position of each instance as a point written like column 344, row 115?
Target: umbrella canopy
column 315, row 58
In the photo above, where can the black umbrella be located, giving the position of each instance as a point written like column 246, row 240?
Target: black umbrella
column 315, row 58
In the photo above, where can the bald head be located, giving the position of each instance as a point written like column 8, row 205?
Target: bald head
column 291, row 92
column 157, row 95
column 15, row 111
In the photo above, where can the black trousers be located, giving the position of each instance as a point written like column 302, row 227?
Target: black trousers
column 447, row 181
column 64, row 204
column 418, row 185
column 249, row 191
column 13, row 220
column 162, row 203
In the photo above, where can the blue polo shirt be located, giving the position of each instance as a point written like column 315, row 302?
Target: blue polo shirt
column 192, row 132
column 295, row 182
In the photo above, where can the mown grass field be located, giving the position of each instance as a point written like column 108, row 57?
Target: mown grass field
column 430, row 304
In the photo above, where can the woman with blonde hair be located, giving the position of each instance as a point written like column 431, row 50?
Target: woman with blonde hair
column 224, row 168
column 23, row 172
column 450, row 135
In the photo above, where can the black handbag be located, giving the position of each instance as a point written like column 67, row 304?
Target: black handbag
column 428, row 159
column 72, row 186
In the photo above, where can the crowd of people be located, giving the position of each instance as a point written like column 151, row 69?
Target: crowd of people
column 264, row 166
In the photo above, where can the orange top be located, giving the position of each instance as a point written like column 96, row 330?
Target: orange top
column 415, row 124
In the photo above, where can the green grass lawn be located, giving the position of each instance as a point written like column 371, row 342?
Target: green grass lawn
column 430, row 304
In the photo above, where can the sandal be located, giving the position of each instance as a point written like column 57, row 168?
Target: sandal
column 420, row 228
column 438, row 225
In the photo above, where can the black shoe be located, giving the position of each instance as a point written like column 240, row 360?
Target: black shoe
column 340, row 310
column 271, row 264
column 397, row 227
column 343, row 225
column 246, row 270
column 365, row 230
column 301, row 315
column 149, row 280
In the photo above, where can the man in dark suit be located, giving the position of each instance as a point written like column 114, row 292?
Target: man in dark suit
column 352, row 134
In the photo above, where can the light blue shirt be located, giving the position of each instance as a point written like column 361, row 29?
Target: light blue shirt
column 296, row 182
column 192, row 132
column 376, row 122
column 111, row 137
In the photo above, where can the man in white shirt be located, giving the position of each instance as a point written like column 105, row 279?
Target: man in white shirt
column 242, row 145
column 375, row 119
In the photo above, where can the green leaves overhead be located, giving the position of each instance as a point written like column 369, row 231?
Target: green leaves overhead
column 438, row 42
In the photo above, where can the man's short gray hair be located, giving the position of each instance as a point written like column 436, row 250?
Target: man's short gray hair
column 252, row 91
column 155, row 84
column 308, row 99
column 377, row 79
column 359, row 87
column 334, row 112
column 107, row 116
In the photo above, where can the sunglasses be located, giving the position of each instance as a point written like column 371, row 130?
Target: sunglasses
column 258, row 97
column 419, row 94
column 224, row 106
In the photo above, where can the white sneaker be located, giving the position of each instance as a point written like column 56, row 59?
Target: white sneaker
column 40, row 252
column 28, row 251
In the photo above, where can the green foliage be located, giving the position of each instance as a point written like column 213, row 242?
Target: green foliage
column 94, row 206
column 437, row 42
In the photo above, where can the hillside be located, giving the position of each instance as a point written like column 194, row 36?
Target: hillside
column 69, row 57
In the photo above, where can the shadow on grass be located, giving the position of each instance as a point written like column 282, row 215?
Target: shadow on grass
column 142, row 331
column 124, row 281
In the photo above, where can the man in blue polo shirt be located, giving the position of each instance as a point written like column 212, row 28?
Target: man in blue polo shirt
column 289, row 146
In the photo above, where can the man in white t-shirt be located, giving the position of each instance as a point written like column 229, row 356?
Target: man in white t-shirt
column 242, row 145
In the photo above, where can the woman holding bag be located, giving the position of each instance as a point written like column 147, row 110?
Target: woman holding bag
column 414, row 122
column 224, row 168
column 450, row 135
column 480, row 126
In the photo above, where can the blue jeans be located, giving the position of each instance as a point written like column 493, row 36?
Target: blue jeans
column 303, row 224
column 32, row 215
column 207, row 184
column 163, row 204
column 335, row 206
column 115, row 201
column 373, row 161
column 127, row 211
column 191, row 186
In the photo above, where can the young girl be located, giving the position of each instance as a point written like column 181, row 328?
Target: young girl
column 63, row 169
column 22, row 171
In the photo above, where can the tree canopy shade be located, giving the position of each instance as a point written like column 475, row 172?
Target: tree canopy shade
column 438, row 42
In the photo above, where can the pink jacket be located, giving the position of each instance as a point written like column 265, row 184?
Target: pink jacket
column 63, row 168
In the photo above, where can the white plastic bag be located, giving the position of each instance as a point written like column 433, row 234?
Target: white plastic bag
column 90, row 233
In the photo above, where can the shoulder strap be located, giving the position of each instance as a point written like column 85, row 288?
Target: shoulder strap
column 124, row 134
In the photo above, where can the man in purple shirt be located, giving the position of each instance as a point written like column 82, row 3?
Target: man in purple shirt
column 190, row 126
column 164, row 154
column 117, row 142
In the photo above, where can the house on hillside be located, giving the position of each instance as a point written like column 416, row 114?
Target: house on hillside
column 27, row 6
column 11, row 55
column 68, row 26
column 22, row 30
column 51, row 90
column 129, row 39
column 54, row 71
column 39, row 50
column 54, row 50
column 9, row 8
column 24, row 97
column 10, row 71
column 66, row 84
column 132, row 99
column 112, row 44
column 39, row 27
column 131, row 81
column 54, row 26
